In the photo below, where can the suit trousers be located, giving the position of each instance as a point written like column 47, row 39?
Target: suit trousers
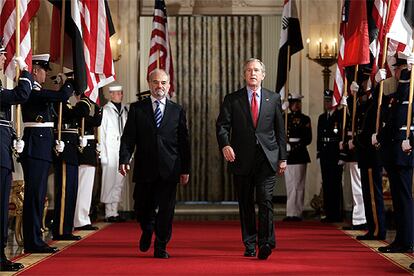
column 36, row 174
column 332, row 190
column 154, row 207
column 402, row 202
column 5, row 185
column 373, row 200
column 295, row 178
column 84, row 198
column 66, row 190
column 262, row 181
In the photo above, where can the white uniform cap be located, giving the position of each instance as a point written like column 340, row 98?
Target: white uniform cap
column 295, row 96
column 115, row 88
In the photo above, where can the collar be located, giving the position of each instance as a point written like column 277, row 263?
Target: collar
column 163, row 101
column 258, row 91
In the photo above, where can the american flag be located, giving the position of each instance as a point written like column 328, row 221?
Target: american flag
column 160, row 51
column 28, row 9
column 340, row 69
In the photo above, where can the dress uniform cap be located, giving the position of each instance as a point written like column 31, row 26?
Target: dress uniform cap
column 327, row 94
column 115, row 88
column 401, row 59
column 2, row 47
column 42, row 61
column 294, row 97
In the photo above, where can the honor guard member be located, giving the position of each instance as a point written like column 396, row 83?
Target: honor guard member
column 368, row 157
column 299, row 134
column 88, row 160
column 143, row 95
column 38, row 153
column 114, row 118
column 349, row 157
column 398, row 160
column 329, row 135
column 67, row 169
column 8, row 98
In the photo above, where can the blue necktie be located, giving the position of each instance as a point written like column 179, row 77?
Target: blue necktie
column 157, row 114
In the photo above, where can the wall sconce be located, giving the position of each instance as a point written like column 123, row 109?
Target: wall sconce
column 326, row 57
column 116, row 49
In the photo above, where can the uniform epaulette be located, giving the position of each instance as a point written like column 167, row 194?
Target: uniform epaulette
column 87, row 102
column 68, row 105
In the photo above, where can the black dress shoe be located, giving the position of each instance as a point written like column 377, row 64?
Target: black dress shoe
column 412, row 266
column 87, row 227
column 356, row 227
column 66, row 237
column 330, row 220
column 287, row 219
column 296, row 218
column 250, row 252
column 145, row 241
column 7, row 265
column 395, row 249
column 370, row 237
column 42, row 250
column 161, row 254
column 115, row 219
column 264, row 252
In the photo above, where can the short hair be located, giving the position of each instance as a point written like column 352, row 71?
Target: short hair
column 254, row 60
column 157, row 70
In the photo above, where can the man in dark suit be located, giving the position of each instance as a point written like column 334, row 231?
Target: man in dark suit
column 9, row 97
column 157, row 128
column 250, row 133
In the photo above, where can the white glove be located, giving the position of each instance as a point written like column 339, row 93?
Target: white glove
column 61, row 78
column 410, row 61
column 98, row 147
column 351, row 145
column 354, row 87
column 19, row 61
column 60, row 146
column 18, row 145
column 406, row 147
column 288, row 147
column 104, row 160
column 341, row 145
column 341, row 162
column 374, row 140
column 83, row 142
column 343, row 101
column 285, row 105
column 381, row 75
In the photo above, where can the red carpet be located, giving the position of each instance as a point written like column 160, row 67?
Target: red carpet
column 214, row 248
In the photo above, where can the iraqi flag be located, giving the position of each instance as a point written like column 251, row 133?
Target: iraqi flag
column 290, row 35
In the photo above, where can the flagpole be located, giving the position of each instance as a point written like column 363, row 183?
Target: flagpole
column 381, row 84
column 18, row 107
column 287, row 90
column 344, row 109
column 61, row 51
column 410, row 102
column 354, row 103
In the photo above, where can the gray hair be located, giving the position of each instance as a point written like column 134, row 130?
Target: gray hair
column 254, row 60
column 157, row 70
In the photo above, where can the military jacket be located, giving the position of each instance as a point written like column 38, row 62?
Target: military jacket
column 299, row 136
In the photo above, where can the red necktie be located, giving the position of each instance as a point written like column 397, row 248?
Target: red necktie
column 254, row 109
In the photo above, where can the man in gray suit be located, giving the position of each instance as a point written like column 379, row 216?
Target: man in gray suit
column 250, row 133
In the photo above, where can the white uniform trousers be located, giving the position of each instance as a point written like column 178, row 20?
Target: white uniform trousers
column 295, row 178
column 84, row 198
column 358, row 211
column 112, row 185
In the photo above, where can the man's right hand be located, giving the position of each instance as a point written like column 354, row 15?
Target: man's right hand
column 380, row 75
column 229, row 154
column 124, row 169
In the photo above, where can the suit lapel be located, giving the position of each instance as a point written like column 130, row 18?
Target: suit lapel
column 150, row 112
column 245, row 105
column 167, row 110
column 264, row 100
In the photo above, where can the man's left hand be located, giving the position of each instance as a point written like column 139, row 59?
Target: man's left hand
column 282, row 167
column 184, row 179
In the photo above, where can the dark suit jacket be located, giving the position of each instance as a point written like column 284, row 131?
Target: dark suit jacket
column 234, row 127
column 159, row 152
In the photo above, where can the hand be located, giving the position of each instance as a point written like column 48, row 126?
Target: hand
column 19, row 61
column 98, row 147
column 124, row 169
column 282, row 167
column 285, row 105
column 61, row 78
column 343, row 101
column 83, row 142
column 380, row 75
column 354, row 87
column 18, row 145
column 374, row 140
column 229, row 154
column 288, row 147
column 351, row 145
column 341, row 145
column 410, row 61
column 341, row 162
column 60, row 146
column 405, row 146
column 184, row 179
column 104, row 160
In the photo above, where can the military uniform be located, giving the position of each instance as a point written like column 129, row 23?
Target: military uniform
column 88, row 160
column 7, row 98
column 38, row 114
column 371, row 168
column 66, row 171
column 399, row 166
column 299, row 134
column 329, row 135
